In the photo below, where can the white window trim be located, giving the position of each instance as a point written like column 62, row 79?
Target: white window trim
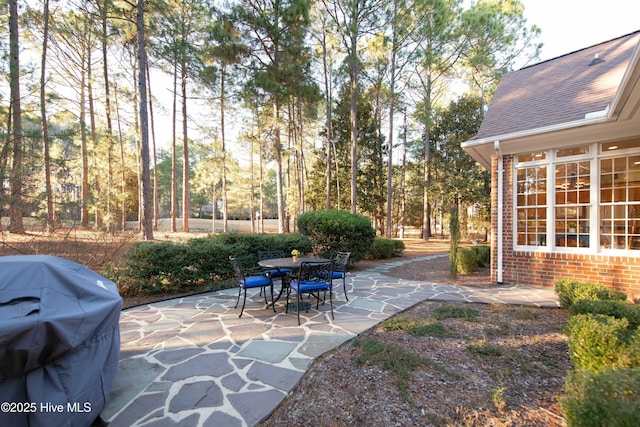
column 551, row 160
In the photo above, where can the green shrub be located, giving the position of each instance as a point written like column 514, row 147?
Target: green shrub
column 598, row 342
column 466, row 261
column 614, row 308
column 569, row 291
column 331, row 230
column 608, row 398
column 483, row 253
column 152, row 267
column 383, row 248
column 166, row 267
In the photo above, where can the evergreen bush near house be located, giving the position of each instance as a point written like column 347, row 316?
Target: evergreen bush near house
column 483, row 253
column 609, row 398
column 466, row 261
column 614, row 308
column 569, row 291
column 598, row 342
column 383, row 248
column 332, row 230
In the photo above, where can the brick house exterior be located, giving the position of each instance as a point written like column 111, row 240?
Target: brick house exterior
column 562, row 141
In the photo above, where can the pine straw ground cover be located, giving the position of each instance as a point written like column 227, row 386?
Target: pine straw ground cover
column 440, row 364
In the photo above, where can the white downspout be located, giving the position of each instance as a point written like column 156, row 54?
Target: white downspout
column 499, row 231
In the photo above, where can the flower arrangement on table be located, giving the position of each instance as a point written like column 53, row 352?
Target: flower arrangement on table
column 295, row 253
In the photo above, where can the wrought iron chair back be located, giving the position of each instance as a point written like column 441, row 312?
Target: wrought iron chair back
column 341, row 263
column 312, row 278
column 250, row 278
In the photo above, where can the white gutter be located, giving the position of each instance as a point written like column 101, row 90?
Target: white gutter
column 603, row 117
column 499, row 231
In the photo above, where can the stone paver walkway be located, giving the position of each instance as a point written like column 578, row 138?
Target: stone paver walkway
column 192, row 362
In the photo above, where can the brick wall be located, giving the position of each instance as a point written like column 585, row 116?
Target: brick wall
column 542, row 268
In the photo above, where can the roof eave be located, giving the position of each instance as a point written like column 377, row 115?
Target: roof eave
column 482, row 149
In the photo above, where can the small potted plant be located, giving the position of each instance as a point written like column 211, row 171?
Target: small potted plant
column 294, row 254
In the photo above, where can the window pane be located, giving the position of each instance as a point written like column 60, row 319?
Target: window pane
column 620, row 201
column 529, row 157
column 572, row 151
column 573, row 182
column 531, row 209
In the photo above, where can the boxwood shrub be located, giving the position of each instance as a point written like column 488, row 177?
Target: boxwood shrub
column 483, row 253
column 331, row 230
column 570, row 291
column 608, row 398
column 614, row 308
column 383, row 248
column 598, row 342
column 466, row 261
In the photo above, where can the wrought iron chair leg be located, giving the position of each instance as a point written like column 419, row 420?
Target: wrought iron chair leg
column 244, row 300
column 344, row 286
column 273, row 306
column 238, row 300
column 331, row 305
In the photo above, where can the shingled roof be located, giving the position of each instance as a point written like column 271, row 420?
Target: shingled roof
column 569, row 88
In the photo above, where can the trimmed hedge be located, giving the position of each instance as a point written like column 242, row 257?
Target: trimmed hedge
column 569, row 291
column 332, row 230
column 598, row 342
column 383, row 248
column 609, row 398
column 166, row 267
column 466, row 261
column 614, row 308
column 483, row 253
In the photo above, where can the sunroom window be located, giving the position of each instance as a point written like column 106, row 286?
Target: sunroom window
column 585, row 198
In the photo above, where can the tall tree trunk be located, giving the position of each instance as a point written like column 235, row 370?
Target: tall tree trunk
column 302, row 178
column 426, row 223
column 45, row 124
column 186, row 203
column 123, row 181
column 328, row 124
column 174, row 152
column 403, row 178
column 353, row 76
column 155, row 155
column 147, row 220
column 104, row 13
column 84, row 211
column 277, row 146
column 225, row 210
column 16, row 225
column 94, row 140
column 392, row 103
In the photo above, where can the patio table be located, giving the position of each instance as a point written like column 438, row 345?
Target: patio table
column 287, row 263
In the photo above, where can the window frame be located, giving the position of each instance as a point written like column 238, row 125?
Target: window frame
column 596, row 152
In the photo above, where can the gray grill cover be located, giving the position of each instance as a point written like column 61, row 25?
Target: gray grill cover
column 59, row 341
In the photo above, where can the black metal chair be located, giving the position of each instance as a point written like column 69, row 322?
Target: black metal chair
column 251, row 278
column 312, row 278
column 340, row 265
